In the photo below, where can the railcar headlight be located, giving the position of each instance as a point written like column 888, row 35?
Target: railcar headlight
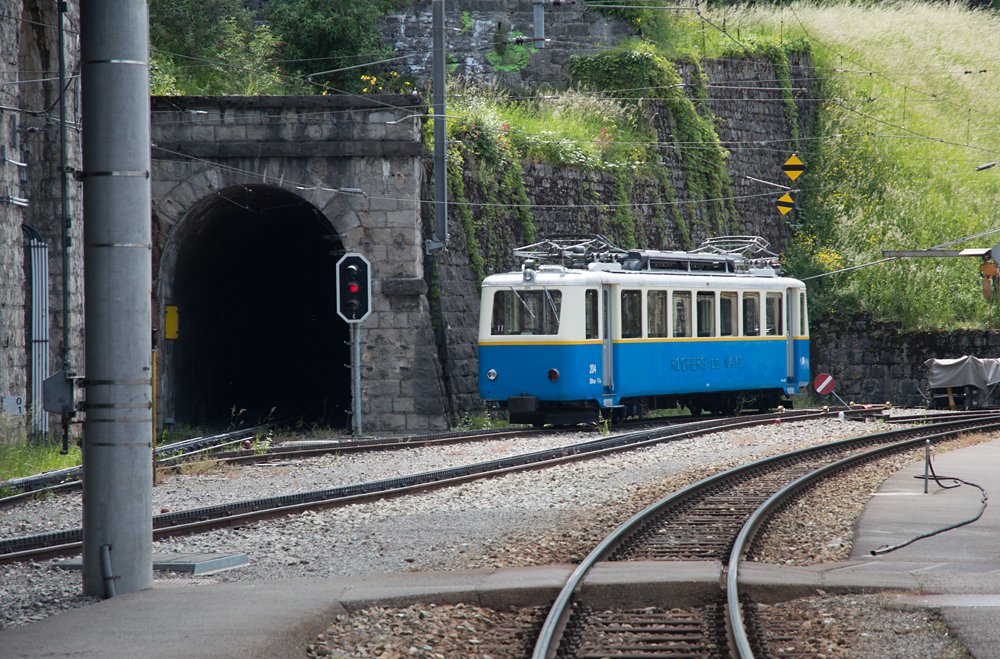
column 553, row 374
column 491, row 374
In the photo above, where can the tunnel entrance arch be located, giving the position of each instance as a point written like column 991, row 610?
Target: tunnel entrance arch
column 251, row 274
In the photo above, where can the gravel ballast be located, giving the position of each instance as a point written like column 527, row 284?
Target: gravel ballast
column 533, row 518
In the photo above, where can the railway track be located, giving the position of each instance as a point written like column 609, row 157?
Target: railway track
column 217, row 449
column 715, row 519
column 237, row 513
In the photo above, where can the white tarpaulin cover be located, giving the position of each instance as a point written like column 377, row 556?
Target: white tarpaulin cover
column 962, row 371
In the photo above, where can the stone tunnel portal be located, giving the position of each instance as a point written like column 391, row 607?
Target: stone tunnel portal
column 259, row 336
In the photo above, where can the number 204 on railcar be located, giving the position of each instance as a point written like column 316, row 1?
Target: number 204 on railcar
column 586, row 330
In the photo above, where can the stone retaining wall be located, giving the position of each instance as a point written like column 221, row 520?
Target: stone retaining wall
column 874, row 362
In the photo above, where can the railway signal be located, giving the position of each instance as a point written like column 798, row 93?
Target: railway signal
column 354, row 295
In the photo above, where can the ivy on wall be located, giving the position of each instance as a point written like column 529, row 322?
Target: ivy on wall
column 687, row 121
column 456, row 193
column 504, row 215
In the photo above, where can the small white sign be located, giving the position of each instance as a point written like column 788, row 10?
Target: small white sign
column 12, row 405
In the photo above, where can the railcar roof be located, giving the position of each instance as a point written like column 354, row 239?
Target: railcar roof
column 560, row 276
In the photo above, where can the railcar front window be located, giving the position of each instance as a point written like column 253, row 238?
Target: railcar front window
column 592, row 319
column 751, row 314
column 727, row 313
column 656, row 308
column 682, row 313
column 631, row 314
column 526, row 312
column 706, row 314
column 774, row 314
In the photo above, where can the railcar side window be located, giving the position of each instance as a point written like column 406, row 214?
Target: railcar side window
column 727, row 313
column 526, row 312
column 803, row 316
column 656, row 308
column 706, row 314
column 592, row 306
column 751, row 314
column 631, row 314
column 682, row 313
column 774, row 314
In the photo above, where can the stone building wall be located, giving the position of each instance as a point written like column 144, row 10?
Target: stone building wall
column 875, row 362
column 30, row 134
column 12, row 302
column 472, row 28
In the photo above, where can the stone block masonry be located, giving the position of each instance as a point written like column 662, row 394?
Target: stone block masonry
column 875, row 362
column 13, row 357
column 30, row 134
column 354, row 164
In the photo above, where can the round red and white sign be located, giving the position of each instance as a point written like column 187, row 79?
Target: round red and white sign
column 824, row 383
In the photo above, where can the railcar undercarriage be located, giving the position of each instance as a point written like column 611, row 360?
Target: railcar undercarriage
column 530, row 410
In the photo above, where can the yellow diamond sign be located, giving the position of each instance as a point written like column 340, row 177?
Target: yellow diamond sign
column 785, row 203
column 793, row 167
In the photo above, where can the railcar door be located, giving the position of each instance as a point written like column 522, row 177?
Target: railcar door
column 607, row 345
column 790, row 335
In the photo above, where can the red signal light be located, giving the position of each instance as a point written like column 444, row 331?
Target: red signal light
column 353, row 287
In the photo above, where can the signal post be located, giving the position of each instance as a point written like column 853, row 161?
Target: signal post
column 354, row 304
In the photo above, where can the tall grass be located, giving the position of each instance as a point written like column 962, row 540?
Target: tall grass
column 910, row 110
column 569, row 128
column 17, row 461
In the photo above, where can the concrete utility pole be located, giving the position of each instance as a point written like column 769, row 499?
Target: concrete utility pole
column 117, row 439
column 439, row 240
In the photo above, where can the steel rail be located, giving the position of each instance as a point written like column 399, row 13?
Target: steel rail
column 69, row 476
column 185, row 450
column 229, row 514
column 775, row 502
column 559, row 614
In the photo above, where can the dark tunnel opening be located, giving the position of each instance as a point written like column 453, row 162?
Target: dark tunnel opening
column 259, row 336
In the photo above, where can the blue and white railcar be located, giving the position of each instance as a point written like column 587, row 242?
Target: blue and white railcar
column 588, row 332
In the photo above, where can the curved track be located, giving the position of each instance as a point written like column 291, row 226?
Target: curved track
column 714, row 519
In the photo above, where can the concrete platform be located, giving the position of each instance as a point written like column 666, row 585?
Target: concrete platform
column 957, row 572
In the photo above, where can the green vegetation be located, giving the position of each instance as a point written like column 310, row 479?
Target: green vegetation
column 20, row 460
column 320, row 35
column 218, row 47
column 211, row 47
column 909, row 112
column 493, row 134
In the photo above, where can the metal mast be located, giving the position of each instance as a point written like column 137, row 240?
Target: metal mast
column 117, row 440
